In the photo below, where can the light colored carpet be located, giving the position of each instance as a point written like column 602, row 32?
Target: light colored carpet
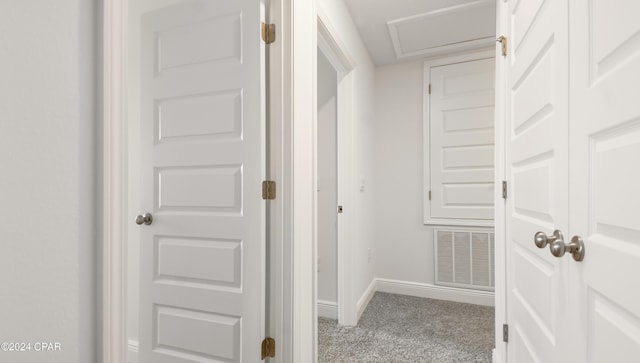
column 398, row 328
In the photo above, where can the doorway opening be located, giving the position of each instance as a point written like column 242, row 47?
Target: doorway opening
column 448, row 255
column 333, row 158
column 327, row 207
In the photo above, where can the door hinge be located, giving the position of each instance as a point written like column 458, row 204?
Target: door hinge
column 268, row 190
column 340, row 209
column 268, row 348
column 504, row 189
column 505, row 332
column 429, row 195
column 429, row 88
column 503, row 40
column 268, row 33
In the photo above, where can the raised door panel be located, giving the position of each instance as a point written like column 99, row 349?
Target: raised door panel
column 605, row 149
column 202, row 108
column 462, row 140
column 537, row 134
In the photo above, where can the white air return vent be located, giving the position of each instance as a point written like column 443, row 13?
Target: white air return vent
column 464, row 258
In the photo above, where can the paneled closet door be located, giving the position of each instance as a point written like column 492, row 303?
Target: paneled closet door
column 537, row 157
column 605, row 178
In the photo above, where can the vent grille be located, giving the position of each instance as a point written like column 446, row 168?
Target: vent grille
column 464, row 258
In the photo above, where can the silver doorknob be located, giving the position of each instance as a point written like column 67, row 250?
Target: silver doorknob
column 542, row 240
column 147, row 219
column 576, row 247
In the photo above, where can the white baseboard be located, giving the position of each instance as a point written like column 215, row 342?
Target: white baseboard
column 435, row 292
column 132, row 351
column 364, row 300
column 328, row 309
column 496, row 357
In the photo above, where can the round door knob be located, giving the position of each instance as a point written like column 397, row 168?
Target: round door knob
column 542, row 240
column 576, row 247
column 558, row 248
column 147, row 219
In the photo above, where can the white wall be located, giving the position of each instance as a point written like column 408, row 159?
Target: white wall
column 363, row 110
column 49, row 183
column 403, row 243
column 327, row 183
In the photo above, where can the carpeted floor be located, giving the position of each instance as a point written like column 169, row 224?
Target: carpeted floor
column 398, row 328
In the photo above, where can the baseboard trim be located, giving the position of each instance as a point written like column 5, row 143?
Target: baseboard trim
column 328, row 309
column 496, row 356
column 430, row 291
column 133, row 347
column 366, row 298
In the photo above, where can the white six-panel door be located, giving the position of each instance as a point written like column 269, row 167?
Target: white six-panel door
column 537, row 156
column 203, row 137
column 604, row 172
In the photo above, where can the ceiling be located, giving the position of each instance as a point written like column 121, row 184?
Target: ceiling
column 400, row 30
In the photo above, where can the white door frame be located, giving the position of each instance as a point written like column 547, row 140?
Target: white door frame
column 293, row 112
column 331, row 46
column 114, row 169
column 500, row 268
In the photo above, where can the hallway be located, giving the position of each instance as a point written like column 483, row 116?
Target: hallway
column 398, row 328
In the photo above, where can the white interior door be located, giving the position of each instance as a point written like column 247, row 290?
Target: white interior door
column 462, row 140
column 605, row 178
column 203, row 157
column 537, row 156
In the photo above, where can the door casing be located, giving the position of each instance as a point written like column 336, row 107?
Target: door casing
column 292, row 312
column 342, row 62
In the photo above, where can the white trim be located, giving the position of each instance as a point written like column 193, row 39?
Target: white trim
column 299, row 100
column 496, row 356
column 333, row 48
column 500, row 256
column 460, row 222
column 133, row 348
column 418, row 289
column 114, row 333
column 327, row 309
column 426, row 161
column 365, row 299
column 330, row 43
column 435, row 292
column 280, row 317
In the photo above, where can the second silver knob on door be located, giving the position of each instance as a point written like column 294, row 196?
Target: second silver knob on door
column 576, row 247
column 147, row 219
column 558, row 247
column 542, row 240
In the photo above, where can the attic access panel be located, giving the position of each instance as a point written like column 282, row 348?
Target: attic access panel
column 431, row 32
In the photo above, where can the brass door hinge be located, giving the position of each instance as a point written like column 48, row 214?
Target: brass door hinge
column 268, row 33
column 268, row 190
column 429, row 88
column 503, row 40
column 429, row 195
column 268, row 348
